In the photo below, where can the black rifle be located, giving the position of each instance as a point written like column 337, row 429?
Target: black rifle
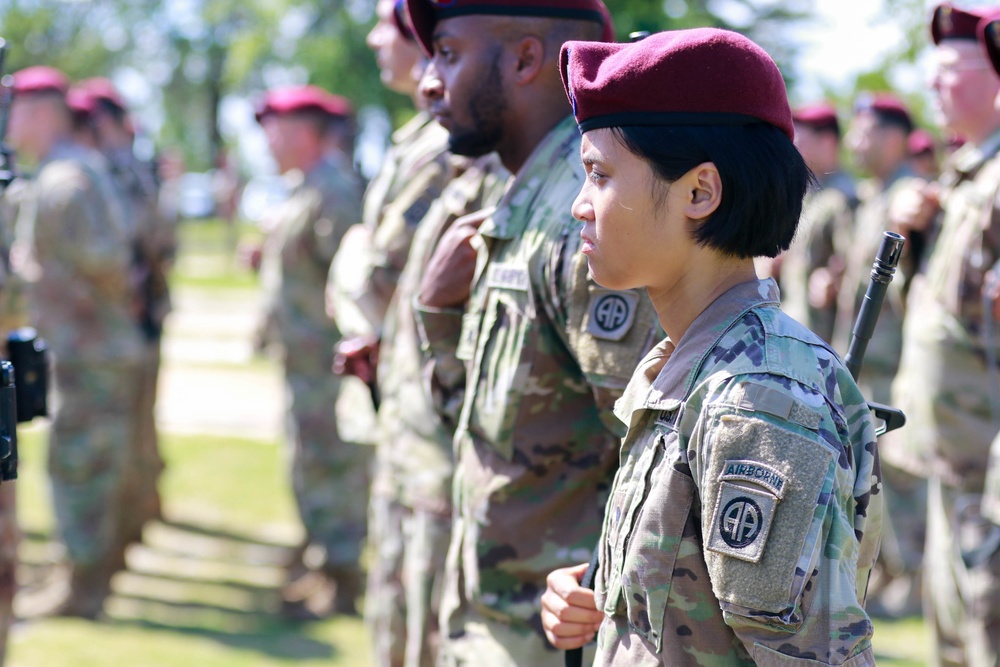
column 882, row 272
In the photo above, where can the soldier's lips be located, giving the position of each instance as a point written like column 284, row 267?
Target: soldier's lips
column 588, row 244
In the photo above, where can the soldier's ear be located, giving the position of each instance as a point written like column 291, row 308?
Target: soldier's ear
column 530, row 53
column 703, row 191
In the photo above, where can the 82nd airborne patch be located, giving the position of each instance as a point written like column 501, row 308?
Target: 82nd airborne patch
column 741, row 522
column 611, row 314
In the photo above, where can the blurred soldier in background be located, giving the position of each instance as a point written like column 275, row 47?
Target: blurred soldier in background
column 329, row 476
column 878, row 139
column 811, row 268
column 946, row 383
column 367, row 267
column 547, row 351
column 73, row 249
column 154, row 244
column 405, row 532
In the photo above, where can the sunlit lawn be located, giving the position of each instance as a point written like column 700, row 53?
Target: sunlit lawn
column 202, row 589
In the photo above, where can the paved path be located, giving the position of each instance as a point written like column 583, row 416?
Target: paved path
column 211, row 382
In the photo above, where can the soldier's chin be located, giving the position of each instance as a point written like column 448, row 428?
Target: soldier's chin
column 471, row 145
column 604, row 280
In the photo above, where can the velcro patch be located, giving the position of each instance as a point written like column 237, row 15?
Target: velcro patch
column 742, row 522
column 757, row 473
column 507, row 276
column 611, row 314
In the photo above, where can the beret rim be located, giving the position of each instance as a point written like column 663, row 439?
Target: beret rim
column 670, row 118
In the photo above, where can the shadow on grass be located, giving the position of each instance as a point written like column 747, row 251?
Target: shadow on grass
column 197, row 581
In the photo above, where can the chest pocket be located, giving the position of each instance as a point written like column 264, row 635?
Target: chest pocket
column 503, row 357
column 644, row 529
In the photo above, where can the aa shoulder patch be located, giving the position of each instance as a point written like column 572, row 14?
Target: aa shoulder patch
column 611, row 314
column 742, row 522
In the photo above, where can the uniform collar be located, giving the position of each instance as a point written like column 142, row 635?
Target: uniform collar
column 504, row 225
column 411, row 127
column 660, row 385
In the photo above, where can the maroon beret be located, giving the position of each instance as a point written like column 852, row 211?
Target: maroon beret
column 953, row 23
column 302, row 98
column 424, row 14
column 818, row 115
column 81, row 101
column 920, row 141
column 40, row 78
column 989, row 35
column 883, row 104
column 103, row 89
column 402, row 21
column 702, row 76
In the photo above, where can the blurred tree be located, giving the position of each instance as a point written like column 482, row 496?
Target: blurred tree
column 191, row 55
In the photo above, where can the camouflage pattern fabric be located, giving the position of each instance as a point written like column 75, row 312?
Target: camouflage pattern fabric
column 414, row 463
column 365, row 272
column 329, row 477
column 962, row 580
column 745, row 518
column 71, row 248
column 548, row 352
column 944, row 387
column 826, row 219
column 154, row 245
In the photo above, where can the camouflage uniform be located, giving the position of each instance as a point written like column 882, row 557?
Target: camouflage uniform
column 826, row 218
column 153, row 247
column 329, row 477
column 536, row 448
column 72, row 249
column 411, row 493
column 365, row 271
column 944, row 388
column 745, row 518
column 896, row 584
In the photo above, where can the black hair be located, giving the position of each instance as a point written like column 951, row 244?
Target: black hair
column 892, row 118
column 108, row 107
column 764, row 179
column 826, row 127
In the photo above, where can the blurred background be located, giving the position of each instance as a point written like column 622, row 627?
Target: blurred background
column 191, row 70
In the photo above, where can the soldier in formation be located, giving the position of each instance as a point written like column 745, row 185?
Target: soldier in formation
column 945, row 384
column 546, row 350
column 744, row 520
column 72, row 247
column 329, row 476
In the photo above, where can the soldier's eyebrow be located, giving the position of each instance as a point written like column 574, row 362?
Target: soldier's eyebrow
column 590, row 157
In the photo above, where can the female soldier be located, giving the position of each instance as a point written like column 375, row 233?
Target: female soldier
column 744, row 519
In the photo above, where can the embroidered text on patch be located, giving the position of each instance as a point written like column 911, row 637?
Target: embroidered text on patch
column 758, row 473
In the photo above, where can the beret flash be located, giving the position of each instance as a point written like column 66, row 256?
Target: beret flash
column 424, row 14
column 702, row 76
